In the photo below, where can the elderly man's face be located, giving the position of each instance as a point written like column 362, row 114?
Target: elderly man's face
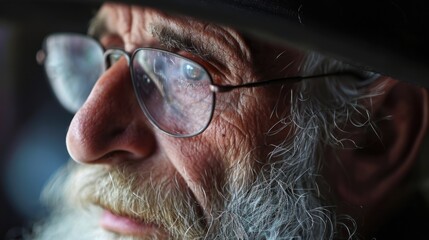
column 255, row 171
column 146, row 182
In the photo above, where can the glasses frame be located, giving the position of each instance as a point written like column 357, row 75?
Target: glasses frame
column 214, row 88
column 130, row 58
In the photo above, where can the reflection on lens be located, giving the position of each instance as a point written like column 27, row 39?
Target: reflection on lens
column 73, row 64
column 173, row 91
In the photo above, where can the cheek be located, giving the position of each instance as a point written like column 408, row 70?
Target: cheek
column 195, row 159
column 251, row 128
column 204, row 159
column 235, row 134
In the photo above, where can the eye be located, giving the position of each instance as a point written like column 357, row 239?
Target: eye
column 192, row 72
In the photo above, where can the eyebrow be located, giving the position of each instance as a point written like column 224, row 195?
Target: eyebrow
column 184, row 39
column 179, row 38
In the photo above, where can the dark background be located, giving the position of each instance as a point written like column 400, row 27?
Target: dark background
column 32, row 124
column 387, row 36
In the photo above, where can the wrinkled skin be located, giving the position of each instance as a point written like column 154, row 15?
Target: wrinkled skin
column 111, row 129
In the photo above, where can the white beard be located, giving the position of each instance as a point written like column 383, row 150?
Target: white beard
column 282, row 201
column 264, row 209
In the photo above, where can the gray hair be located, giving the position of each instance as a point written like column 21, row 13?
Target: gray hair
column 284, row 200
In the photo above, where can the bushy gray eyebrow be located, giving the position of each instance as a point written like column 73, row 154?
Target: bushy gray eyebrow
column 173, row 38
column 188, row 42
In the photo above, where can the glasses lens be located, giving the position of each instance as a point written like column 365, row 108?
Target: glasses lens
column 173, row 91
column 73, row 65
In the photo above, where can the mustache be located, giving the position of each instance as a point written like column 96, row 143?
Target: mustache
column 124, row 191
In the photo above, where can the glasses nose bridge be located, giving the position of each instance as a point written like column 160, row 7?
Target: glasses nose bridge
column 111, row 56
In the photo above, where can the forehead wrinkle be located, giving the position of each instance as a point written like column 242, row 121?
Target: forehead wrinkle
column 130, row 23
column 239, row 50
column 117, row 18
column 100, row 24
column 141, row 30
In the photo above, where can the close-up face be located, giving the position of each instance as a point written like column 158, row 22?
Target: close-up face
column 184, row 128
column 184, row 178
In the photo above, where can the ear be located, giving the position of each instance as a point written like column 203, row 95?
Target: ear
column 366, row 175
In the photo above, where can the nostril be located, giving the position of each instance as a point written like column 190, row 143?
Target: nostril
column 109, row 139
column 116, row 157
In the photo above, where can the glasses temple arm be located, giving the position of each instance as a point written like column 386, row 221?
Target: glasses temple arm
column 228, row 88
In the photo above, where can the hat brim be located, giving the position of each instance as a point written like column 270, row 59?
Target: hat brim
column 386, row 37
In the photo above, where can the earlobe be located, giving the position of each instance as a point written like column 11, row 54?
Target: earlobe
column 366, row 175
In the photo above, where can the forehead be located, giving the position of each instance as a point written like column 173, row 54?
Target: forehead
column 144, row 26
column 228, row 50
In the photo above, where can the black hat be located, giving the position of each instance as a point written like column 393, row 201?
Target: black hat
column 389, row 37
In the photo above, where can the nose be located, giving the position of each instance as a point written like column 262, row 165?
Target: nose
column 110, row 126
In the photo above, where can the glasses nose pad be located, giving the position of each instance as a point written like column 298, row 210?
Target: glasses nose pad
column 111, row 56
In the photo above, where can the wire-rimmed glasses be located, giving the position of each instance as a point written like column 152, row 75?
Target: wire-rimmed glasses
column 175, row 93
